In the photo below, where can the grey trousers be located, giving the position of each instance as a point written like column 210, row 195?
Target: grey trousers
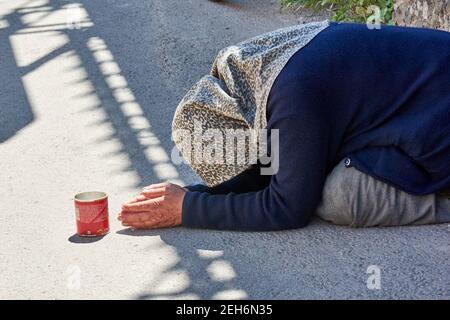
column 355, row 199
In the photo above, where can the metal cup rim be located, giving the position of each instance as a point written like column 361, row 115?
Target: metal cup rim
column 92, row 196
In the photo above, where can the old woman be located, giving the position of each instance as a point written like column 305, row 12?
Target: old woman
column 362, row 124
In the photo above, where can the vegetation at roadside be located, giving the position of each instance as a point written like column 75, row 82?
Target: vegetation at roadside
column 371, row 11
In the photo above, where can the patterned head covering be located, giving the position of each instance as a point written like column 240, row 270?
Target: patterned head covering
column 232, row 98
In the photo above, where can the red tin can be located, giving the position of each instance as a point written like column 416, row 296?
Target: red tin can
column 91, row 210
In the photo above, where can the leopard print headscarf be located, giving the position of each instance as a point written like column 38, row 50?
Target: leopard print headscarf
column 234, row 94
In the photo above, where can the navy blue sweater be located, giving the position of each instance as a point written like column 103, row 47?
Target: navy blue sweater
column 381, row 98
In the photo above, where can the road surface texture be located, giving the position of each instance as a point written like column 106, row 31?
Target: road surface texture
column 87, row 95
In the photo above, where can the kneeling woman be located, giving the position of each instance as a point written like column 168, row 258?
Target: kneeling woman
column 364, row 132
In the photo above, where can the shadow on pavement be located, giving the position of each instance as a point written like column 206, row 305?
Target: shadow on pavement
column 321, row 261
column 82, row 240
column 136, row 103
column 246, row 265
column 15, row 109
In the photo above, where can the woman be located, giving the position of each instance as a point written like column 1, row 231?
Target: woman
column 364, row 132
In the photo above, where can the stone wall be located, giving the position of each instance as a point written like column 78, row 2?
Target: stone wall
column 423, row 13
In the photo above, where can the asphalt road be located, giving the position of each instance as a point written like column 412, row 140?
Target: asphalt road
column 88, row 105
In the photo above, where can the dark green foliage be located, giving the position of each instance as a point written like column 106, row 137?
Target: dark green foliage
column 351, row 10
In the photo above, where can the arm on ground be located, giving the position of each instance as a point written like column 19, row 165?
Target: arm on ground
column 292, row 194
column 247, row 181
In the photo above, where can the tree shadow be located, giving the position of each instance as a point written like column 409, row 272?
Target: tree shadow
column 157, row 59
column 319, row 262
column 15, row 110
column 88, row 43
column 269, row 265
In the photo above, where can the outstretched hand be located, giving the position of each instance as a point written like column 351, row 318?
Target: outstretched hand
column 158, row 206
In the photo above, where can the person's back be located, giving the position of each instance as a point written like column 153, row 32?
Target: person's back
column 386, row 93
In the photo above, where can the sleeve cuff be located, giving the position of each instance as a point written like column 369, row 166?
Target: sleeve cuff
column 197, row 187
column 189, row 216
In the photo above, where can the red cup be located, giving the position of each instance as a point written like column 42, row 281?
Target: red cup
column 91, row 210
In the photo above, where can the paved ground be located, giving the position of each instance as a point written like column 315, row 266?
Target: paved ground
column 88, row 106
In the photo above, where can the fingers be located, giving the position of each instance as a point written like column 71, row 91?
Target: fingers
column 137, row 210
column 134, row 218
column 157, row 185
column 138, row 225
column 149, row 192
column 129, row 217
column 146, row 205
column 142, row 220
column 154, row 192
column 136, row 199
column 133, row 200
column 153, row 208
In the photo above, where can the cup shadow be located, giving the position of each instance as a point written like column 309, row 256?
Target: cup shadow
column 82, row 240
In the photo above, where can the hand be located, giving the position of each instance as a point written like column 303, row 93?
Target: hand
column 158, row 206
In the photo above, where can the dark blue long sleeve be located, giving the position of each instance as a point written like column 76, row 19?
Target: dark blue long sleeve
column 290, row 198
column 247, row 181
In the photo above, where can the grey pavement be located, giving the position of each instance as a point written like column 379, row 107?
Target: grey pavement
column 87, row 94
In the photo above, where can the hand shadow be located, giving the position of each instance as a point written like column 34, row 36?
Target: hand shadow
column 183, row 238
